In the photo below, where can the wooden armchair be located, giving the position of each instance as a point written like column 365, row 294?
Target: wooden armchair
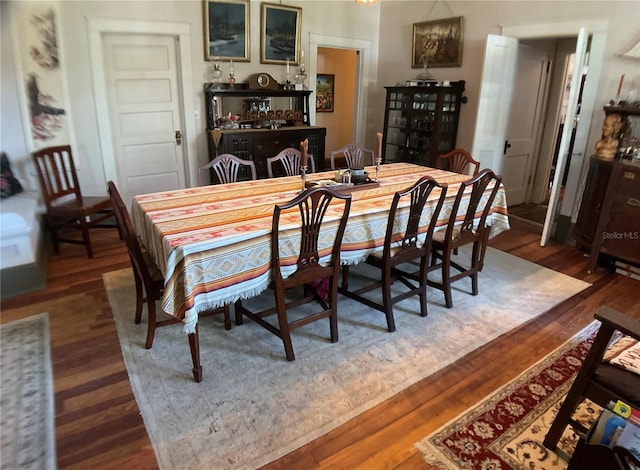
column 410, row 245
column 461, row 230
column 309, row 270
column 288, row 161
column 354, row 155
column 67, row 208
column 148, row 278
column 458, row 161
column 227, row 167
column 599, row 381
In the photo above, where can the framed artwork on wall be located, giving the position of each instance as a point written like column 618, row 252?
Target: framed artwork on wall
column 437, row 43
column 325, row 88
column 280, row 34
column 226, row 30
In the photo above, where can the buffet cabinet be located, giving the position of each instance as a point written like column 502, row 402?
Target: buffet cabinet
column 421, row 122
column 255, row 124
column 609, row 217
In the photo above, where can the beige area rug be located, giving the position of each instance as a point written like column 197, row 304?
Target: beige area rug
column 27, row 427
column 506, row 429
column 253, row 406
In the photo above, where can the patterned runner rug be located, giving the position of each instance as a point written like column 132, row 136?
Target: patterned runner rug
column 27, row 430
column 506, row 429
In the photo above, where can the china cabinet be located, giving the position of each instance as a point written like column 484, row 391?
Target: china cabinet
column 421, row 122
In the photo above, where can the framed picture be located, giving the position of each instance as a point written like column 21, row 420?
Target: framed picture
column 280, row 34
column 325, row 87
column 437, row 43
column 226, row 30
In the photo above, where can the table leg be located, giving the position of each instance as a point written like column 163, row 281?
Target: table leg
column 194, row 345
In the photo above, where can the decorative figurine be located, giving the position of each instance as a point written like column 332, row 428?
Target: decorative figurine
column 607, row 146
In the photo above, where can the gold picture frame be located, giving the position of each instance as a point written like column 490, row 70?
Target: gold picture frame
column 437, row 43
column 280, row 34
column 226, row 30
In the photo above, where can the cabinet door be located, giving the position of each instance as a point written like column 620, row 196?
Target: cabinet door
column 424, row 108
column 396, row 122
column 238, row 145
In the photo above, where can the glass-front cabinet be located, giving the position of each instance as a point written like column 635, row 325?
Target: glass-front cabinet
column 421, row 122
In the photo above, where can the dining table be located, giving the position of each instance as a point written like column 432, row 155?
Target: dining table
column 212, row 243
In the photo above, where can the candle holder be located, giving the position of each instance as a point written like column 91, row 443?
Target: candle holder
column 303, row 175
column 378, row 162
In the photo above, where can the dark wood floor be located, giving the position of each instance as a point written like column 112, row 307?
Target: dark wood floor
column 98, row 424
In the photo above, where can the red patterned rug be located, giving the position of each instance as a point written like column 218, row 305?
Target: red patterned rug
column 506, row 429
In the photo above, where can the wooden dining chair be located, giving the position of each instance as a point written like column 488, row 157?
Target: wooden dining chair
column 288, row 163
column 67, row 209
column 461, row 230
column 598, row 380
column 227, row 167
column 458, row 161
column 303, row 232
column 409, row 245
column 355, row 156
column 148, row 277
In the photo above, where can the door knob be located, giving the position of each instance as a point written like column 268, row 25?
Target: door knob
column 178, row 137
column 507, row 145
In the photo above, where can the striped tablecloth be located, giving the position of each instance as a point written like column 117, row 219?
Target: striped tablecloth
column 213, row 242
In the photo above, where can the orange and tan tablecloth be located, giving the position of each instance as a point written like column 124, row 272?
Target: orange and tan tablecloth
column 213, row 242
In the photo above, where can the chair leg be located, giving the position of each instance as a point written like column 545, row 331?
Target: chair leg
column 475, row 266
column 423, row 286
column 151, row 327
column 139, row 298
column 446, row 277
column 283, row 325
column 386, row 299
column 345, row 278
column 54, row 234
column 237, row 307
column 333, row 304
column 84, row 227
column 227, row 317
column 194, row 346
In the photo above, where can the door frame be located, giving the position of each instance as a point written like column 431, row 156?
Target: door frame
column 363, row 78
column 96, row 28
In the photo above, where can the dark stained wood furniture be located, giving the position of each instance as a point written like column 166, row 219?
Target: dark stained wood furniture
column 287, row 163
column 226, row 168
column 67, row 209
column 410, row 246
column 460, row 161
column 355, row 156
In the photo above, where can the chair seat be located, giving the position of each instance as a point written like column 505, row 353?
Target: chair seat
column 622, row 382
column 91, row 204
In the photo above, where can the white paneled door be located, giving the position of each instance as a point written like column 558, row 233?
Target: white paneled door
column 145, row 112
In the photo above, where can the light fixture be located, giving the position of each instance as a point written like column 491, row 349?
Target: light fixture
column 367, row 2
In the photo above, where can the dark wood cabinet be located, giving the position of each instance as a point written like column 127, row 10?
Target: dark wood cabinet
column 421, row 122
column 252, row 141
column 609, row 218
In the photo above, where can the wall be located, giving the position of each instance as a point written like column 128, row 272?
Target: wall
column 339, row 123
column 487, row 17
column 338, row 18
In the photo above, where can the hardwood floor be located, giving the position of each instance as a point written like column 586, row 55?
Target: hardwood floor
column 98, row 424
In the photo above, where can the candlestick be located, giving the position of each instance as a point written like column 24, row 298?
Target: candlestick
column 379, row 156
column 288, row 71
column 620, row 85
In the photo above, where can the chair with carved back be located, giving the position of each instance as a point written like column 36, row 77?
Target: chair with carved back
column 300, row 245
column 355, row 156
column 288, row 163
column 413, row 243
column 67, row 209
column 604, row 376
column 458, row 161
column 461, row 230
column 227, row 167
column 148, row 278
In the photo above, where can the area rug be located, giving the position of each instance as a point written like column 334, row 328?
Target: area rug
column 27, row 427
column 506, row 429
column 253, row 406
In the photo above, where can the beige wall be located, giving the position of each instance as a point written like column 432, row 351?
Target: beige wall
column 339, row 123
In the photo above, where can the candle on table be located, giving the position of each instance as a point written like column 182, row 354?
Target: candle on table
column 287, row 66
column 379, row 139
column 304, row 145
column 620, row 85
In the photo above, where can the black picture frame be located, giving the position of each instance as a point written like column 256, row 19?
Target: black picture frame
column 325, row 92
column 226, row 30
column 280, row 34
column 437, row 43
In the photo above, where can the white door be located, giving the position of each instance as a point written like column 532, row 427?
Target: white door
column 565, row 140
column 523, row 128
column 494, row 103
column 144, row 107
